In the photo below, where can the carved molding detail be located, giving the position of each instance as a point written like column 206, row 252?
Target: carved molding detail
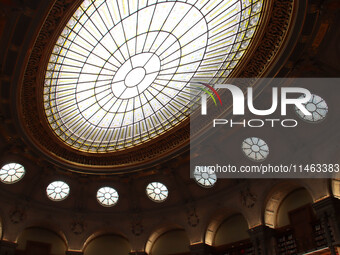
column 77, row 227
column 248, row 198
column 137, row 227
column 193, row 219
column 272, row 40
column 17, row 215
column 38, row 130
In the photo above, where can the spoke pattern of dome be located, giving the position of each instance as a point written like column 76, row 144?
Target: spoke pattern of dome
column 119, row 73
column 12, row 173
column 157, row 191
column 57, row 190
column 255, row 148
column 317, row 106
column 107, row 196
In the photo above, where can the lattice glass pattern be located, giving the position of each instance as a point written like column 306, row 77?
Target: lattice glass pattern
column 57, row 190
column 119, row 73
column 206, row 178
column 107, row 196
column 317, row 106
column 157, row 191
column 11, row 173
column 255, row 148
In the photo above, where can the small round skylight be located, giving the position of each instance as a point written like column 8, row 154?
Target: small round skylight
column 57, row 190
column 12, row 173
column 206, row 178
column 255, row 148
column 107, row 196
column 157, row 191
column 317, row 107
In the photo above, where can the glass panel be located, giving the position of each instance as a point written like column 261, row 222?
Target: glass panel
column 119, row 73
column 318, row 108
column 255, row 148
column 11, row 173
column 107, row 196
column 57, row 190
column 157, row 191
column 206, row 178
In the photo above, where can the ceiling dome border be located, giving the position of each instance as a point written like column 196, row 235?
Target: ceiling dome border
column 271, row 35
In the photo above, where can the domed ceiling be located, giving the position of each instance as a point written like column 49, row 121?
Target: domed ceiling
column 119, row 74
column 111, row 79
column 103, row 88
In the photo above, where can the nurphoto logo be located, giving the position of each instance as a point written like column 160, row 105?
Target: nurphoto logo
column 285, row 98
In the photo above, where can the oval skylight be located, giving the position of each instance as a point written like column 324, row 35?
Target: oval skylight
column 255, row 148
column 57, row 190
column 11, row 173
column 119, row 73
column 157, row 191
column 317, row 106
column 107, row 196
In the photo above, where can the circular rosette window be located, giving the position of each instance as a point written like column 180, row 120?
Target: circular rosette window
column 119, row 74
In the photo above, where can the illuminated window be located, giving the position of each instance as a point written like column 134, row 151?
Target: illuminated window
column 157, row 191
column 12, row 173
column 107, row 196
column 255, row 148
column 206, row 178
column 57, row 190
column 317, row 107
column 119, row 73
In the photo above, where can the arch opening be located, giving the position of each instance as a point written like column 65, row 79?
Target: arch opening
column 109, row 244
column 233, row 229
column 336, row 188
column 294, row 200
column 173, row 241
column 41, row 240
column 276, row 197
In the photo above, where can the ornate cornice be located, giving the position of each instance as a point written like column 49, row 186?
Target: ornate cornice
column 272, row 40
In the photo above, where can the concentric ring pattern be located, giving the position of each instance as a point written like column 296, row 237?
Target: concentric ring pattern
column 119, row 73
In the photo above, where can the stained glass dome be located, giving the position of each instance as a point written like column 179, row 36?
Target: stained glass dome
column 120, row 71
